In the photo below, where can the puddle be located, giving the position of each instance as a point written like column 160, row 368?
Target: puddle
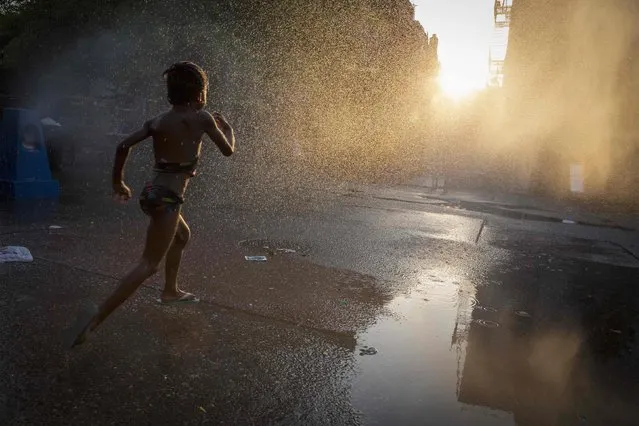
column 420, row 355
column 453, row 360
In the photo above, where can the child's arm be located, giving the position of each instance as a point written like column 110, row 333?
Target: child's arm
column 121, row 155
column 224, row 141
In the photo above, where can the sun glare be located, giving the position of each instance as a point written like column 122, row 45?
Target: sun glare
column 459, row 86
column 465, row 29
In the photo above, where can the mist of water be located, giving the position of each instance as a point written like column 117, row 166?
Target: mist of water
column 316, row 94
column 568, row 90
column 343, row 93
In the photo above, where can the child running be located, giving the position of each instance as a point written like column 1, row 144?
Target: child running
column 177, row 139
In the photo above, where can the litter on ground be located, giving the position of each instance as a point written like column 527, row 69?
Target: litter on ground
column 15, row 254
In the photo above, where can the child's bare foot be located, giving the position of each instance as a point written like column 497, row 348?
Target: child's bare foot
column 179, row 296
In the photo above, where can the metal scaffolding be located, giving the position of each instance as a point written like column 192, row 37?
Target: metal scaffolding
column 499, row 44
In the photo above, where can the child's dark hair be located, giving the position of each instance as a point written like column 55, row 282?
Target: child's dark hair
column 185, row 82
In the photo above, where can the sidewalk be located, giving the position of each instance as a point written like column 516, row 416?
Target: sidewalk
column 507, row 204
column 567, row 210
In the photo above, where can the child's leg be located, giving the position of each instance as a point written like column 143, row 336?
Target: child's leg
column 173, row 258
column 158, row 239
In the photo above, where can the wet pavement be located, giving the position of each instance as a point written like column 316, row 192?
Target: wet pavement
column 375, row 306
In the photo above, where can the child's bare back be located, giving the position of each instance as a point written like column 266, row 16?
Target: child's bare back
column 177, row 134
column 177, row 142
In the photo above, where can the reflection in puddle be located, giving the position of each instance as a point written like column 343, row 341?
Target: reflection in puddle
column 550, row 361
column 530, row 345
column 415, row 376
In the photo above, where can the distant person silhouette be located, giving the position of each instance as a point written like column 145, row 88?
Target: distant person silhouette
column 177, row 139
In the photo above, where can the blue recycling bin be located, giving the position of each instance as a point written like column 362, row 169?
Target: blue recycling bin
column 24, row 165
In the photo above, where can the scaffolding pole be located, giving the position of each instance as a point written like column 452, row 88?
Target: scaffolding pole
column 499, row 44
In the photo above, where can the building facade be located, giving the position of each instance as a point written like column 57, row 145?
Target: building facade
column 571, row 85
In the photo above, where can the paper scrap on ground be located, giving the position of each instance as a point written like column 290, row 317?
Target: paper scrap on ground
column 15, row 254
column 255, row 258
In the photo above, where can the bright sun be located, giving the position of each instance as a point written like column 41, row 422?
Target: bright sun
column 466, row 32
column 458, row 86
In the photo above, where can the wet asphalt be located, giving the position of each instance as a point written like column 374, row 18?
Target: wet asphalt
column 375, row 306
